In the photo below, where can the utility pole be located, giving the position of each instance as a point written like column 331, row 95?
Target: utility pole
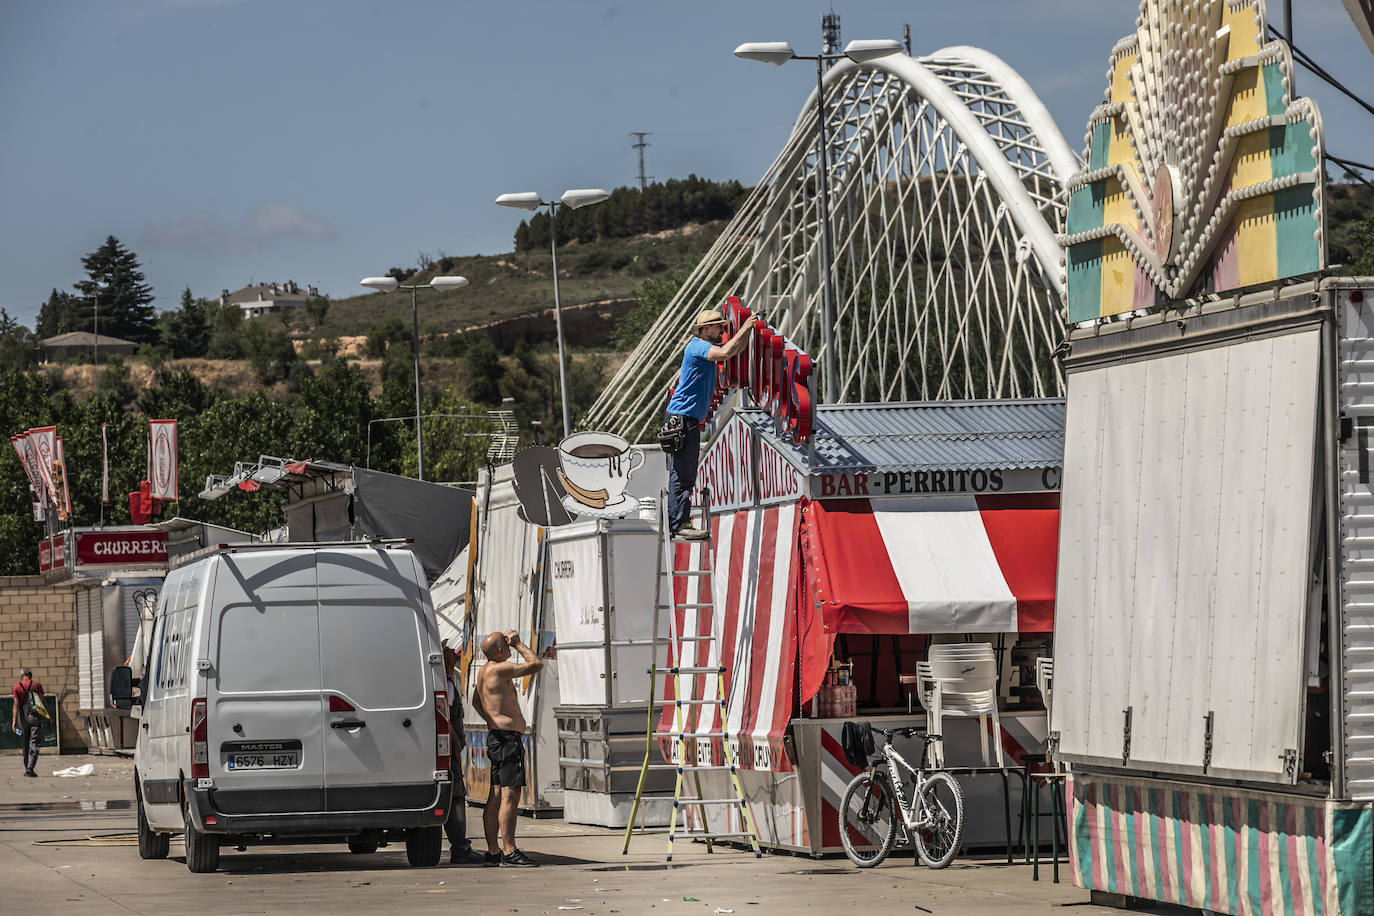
column 906, row 37
column 641, row 146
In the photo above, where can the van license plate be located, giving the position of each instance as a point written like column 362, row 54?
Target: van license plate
column 271, row 761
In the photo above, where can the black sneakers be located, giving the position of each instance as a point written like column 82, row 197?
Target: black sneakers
column 30, row 773
column 467, row 856
column 491, row 859
column 517, row 859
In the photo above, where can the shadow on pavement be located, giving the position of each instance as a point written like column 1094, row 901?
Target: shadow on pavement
column 257, row 863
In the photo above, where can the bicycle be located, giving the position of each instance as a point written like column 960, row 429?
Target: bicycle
column 933, row 821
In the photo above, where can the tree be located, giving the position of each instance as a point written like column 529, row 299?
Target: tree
column 383, row 334
column 318, row 308
column 226, row 324
column 1362, row 248
column 18, row 347
column 654, row 295
column 116, row 286
column 331, row 416
column 270, row 352
column 57, row 316
column 186, row 331
column 175, row 395
column 484, row 370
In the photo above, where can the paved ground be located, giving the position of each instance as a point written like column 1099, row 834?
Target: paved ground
column 68, row 847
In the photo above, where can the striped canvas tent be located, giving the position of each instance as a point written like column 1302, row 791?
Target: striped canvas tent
column 755, row 625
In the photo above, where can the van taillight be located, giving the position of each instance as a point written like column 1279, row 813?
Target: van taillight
column 442, row 736
column 200, row 745
column 339, row 704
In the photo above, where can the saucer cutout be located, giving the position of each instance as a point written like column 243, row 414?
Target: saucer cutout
column 621, row 507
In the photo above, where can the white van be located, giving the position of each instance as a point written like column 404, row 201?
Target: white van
column 291, row 694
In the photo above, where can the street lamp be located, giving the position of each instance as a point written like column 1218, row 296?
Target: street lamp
column 530, row 200
column 386, row 285
column 860, row 51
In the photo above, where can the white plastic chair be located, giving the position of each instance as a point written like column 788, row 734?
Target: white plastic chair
column 1044, row 682
column 959, row 680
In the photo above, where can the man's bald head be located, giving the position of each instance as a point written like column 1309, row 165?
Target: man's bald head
column 495, row 646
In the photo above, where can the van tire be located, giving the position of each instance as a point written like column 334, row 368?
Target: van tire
column 150, row 845
column 361, row 846
column 424, row 846
column 202, row 849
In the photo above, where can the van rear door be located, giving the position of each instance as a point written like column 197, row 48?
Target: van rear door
column 377, row 634
column 265, row 717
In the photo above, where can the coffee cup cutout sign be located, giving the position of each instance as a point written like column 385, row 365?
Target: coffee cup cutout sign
column 595, row 469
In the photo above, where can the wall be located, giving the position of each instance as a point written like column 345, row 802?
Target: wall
column 38, row 631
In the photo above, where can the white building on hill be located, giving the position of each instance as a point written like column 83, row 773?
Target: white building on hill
column 263, row 298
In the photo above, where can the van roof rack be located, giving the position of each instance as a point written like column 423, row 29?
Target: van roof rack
column 212, row 549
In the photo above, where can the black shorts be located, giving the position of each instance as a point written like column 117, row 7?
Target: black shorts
column 506, row 754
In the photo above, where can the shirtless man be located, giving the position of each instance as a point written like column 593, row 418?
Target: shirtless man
column 496, row 702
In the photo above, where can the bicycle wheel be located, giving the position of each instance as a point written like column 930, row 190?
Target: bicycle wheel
column 868, row 820
column 940, row 830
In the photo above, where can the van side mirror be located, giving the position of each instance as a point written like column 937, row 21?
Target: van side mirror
column 122, row 684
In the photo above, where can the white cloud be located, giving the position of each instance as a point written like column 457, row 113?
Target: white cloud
column 205, row 231
column 278, row 221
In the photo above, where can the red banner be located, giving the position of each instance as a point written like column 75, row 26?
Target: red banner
column 46, row 550
column 44, row 441
column 121, row 548
column 162, row 458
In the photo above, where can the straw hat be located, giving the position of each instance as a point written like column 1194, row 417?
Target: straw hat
column 708, row 317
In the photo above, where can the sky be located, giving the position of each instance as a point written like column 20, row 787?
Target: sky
column 321, row 141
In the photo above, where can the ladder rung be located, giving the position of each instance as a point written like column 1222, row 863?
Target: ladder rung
column 708, row 801
column 716, row 669
column 691, row 572
column 696, row 734
column 669, row 639
column 699, row 702
column 693, row 605
column 707, row 836
column 691, row 768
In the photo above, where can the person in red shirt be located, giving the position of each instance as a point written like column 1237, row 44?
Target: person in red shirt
column 31, row 723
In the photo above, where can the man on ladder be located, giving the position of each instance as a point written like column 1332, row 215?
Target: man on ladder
column 688, row 407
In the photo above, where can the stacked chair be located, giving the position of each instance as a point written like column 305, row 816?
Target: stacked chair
column 959, row 680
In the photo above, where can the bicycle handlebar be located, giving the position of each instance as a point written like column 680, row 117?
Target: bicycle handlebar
column 908, row 732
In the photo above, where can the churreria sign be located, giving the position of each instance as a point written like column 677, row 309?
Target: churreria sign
column 775, row 372
column 123, row 548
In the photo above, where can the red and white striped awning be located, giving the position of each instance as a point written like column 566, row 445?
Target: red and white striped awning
column 755, row 625
column 959, row 564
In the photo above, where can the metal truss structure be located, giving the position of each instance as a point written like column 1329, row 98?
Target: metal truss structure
column 946, row 183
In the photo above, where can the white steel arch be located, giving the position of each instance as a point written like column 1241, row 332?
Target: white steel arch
column 946, row 186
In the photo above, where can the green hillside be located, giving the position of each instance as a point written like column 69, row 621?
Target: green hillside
column 509, row 285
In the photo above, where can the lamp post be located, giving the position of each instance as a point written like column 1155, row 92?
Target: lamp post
column 860, row 51
column 386, row 285
column 530, row 200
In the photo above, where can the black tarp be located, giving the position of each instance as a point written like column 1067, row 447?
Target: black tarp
column 436, row 517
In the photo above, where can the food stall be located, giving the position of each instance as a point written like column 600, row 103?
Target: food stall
column 842, row 558
column 115, row 574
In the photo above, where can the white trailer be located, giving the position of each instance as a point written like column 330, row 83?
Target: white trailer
column 1214, row 633
column 601, row 588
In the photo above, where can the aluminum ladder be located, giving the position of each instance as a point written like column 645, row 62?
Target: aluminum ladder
column 686, row 679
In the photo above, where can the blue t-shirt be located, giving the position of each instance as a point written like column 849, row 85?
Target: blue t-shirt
column 696, row 381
